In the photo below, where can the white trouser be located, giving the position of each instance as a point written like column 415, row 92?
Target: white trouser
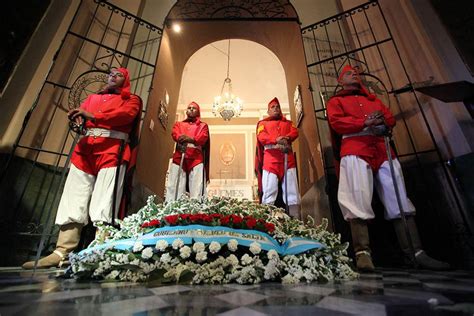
column 356, row 183
column 270, row 187
column 88, row 195
column 196, row 182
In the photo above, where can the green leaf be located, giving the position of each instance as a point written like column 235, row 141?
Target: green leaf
column 127, row 266
column 186, row 277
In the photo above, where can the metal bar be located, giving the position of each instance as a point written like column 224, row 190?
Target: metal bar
column 102, row 38
column 128, row 14
column 349, row 52
column 141, row 65
column 330, row 46
column 358, row 40
column 399, row 201
column 433, row 139
column 42, row 150
column 339, row 15
column 320, row 65
column 169, row 21
column 48, row 215
column 118, row 39
column 109, row 48
column 55, row 84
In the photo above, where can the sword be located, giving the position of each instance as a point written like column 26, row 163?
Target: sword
column 183, row 154
column 285, row 165
column 79, row 129
column 116, row 181
column 399, row 201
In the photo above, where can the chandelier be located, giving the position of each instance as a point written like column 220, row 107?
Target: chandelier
column 227, row 105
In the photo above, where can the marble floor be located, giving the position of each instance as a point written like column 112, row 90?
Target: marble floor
column 385, row 292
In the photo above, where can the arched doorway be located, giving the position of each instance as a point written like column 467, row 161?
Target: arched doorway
column 280, row 33
column 257, row 77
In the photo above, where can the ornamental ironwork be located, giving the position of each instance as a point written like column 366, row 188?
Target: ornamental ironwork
column 232, row 9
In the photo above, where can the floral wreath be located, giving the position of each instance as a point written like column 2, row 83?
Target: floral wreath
column 211, row 261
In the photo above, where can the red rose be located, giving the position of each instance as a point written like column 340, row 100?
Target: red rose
column 270, row 227
column 195, row 217
column 207, row 218
column 184, row 216
column 236, row 219
column 215, row 215
column 225, row 220
column 145, row 225
column 251, row 222
column 154, row 222
column 172, row 219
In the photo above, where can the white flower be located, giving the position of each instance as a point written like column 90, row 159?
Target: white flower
column 272, row 254
column 137, row 246
column 201, row 256
column 185, row 252
column 112, row 275
column 178, row 243
column 214, row 247
column 198, row 247
column 290, row 279
column 122, row 258
column 166, row 258
column 232, row 245
column 246, row 259
column 147, row 253
column 161, row 245
column 255, row 248
column 232, row 260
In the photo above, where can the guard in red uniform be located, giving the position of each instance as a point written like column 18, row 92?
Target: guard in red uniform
column 359, row 120
column 192, row 139
column 275, row 134
column 89, row 189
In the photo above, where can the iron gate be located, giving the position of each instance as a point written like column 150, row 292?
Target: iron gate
column 100, row 36
column 351, row 37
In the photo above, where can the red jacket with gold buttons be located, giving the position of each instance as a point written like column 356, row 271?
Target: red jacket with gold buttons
column 199, row 131
column 113, row 113
column 268, row 130
column 347, row 112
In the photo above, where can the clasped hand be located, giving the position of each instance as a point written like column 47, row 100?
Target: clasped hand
column 374, row 118
column 283, row 144
column 78, row 115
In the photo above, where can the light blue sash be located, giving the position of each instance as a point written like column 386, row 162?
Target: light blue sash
column 206, row 234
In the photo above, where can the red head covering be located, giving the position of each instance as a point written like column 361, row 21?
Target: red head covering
column 197, row 106
column 125, row 89
column 273, row 101
column 363, row 89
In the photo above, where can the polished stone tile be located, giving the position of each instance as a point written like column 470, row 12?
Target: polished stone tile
column 428, row 297
column 67, row 295
column 242, row 311
column 297, row 311
column 314, row 290
column 450, row 287
column 162, row 290
column 385, row 292
column 242, row 286
column 352, row 306
column 401, row 280
column 365, row 284
column 131, row 306
column 241, row 297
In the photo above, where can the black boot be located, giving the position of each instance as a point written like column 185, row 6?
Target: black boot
column 360, row 242
column 422, row 259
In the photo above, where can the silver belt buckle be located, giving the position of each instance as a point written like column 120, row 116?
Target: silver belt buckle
column 96, row 133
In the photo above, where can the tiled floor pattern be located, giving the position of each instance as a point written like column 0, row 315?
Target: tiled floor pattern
column 386, row 292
